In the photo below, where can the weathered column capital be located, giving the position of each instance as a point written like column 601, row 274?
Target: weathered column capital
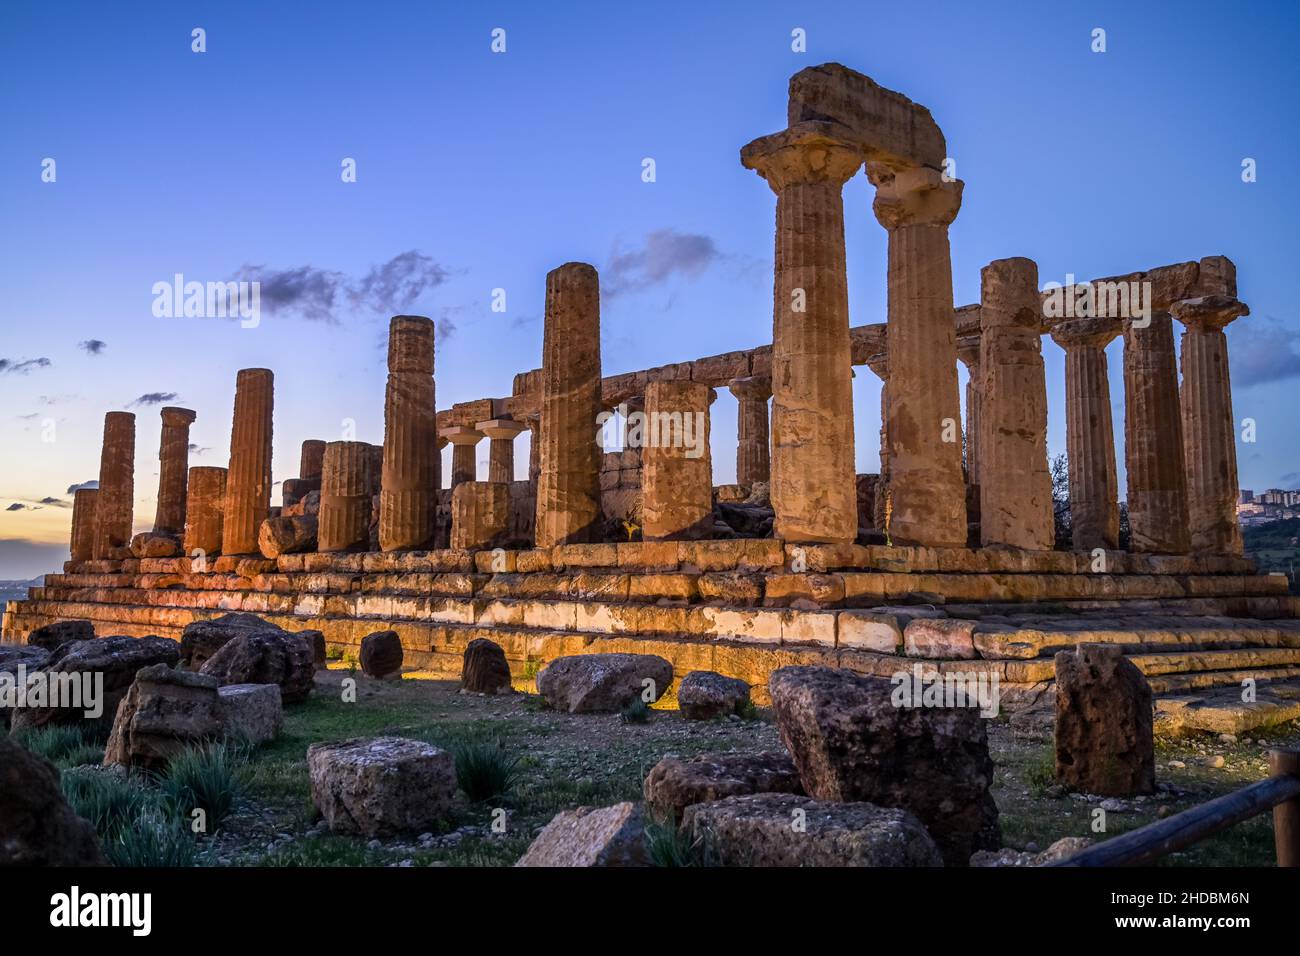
column 918, row 196
column 461, row 435
column 879, row 365
column 178, row 417
column 968, row 352
column 1210, row 313
column 811, row 152
column 1085, row 333
column 501, row 428
column 753, row 387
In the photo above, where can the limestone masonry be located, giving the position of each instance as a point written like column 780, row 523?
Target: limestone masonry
column 948, row 558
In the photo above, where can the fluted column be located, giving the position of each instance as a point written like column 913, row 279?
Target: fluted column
column 927, row 490
column 344, row 519
column 173, row 471
column 1153, row 439
column 1089, row 432
column 114, row 506
column 879, row 365
column 311, row 459
column 753, row 452
column 534, row 446
column 248, row 481
column 501, row 452
column 968, row 353
column 407, row 496
column 464, row 452
column 480, row 514
column 677, row 466
column 1016, row 482
column 205, row 510
column 568, row 487
column 83, row 524
column 813, row 483
column 1209, row 433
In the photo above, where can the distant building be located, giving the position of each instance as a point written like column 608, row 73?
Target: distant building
column 1246, row 497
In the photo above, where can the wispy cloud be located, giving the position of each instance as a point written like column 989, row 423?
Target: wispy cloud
column 1263, row 350
column 197, row 450
column 73, row 489
column 663, row 255
column 92, row 346
column 22, row 366
column 318, row 294
column 153, row 398
column 17, row 506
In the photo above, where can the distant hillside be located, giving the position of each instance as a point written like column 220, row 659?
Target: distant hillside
column 16, row 590
column 1276, row 546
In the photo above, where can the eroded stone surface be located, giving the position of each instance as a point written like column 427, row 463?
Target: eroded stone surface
column 674, row 784
column 381, row 786
column 707, row 695
column 381, row 654
column 37, row 827
column 590, row 836
column 1104, row 736
column 603, row 683
column 165, row 712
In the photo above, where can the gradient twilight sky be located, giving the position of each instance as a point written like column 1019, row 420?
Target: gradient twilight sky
column 478, row 171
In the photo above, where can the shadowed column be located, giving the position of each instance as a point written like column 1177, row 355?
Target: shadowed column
column 879, row 365
column 1016, row 486
column 501, row 452
column 753, row 451
column 248, row 480
column 408, row 496
column 568, row 486
column 1209, row 435
column 480, row 514
column 677, row 467
column 205, row 510
column 968, row 353
column 464, row 452
column 1153, row 438
column 1089, row 432
column 173, row 471
column 927, row 490
column 813, row 487
column 311, row 459
column 344, row 518
column 113, row 508
column 83, row 524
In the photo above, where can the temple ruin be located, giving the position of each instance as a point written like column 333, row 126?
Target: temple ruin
column 946, row 557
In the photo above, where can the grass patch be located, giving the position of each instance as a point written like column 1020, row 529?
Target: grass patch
column 668, row 846
column 484, row 769
column 637, row 712
column 212, row 778
column 64, row 745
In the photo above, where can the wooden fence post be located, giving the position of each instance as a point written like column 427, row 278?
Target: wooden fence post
column 1286, row 815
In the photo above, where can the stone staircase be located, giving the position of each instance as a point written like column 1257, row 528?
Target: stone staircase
column 1197, row 627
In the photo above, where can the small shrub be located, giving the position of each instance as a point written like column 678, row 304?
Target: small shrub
column 747, row 710
column 532, row 667
column 484, row 769
column 1041, row 772
column 637, row 712
column 668, row 846
column 211, row 778
column 155, row 838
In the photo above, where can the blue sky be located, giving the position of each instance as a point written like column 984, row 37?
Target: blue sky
column 478, row 171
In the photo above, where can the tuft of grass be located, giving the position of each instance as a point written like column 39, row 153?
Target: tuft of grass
column 154, row 838
column 485, row 769
column 669, row 846
column 212, row 778
column 532, row 667
column 747, row 710
column 85, row 755
column 108, row 800
column 55, row 742
column 1041, row 771
column 637, row 712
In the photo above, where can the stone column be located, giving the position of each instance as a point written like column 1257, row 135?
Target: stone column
column 1153, row 439
column 1089, row 433
column 464, row 452
column 813, row 482
column 113, row 508
column 968, row 353
column 312, row 457
column 205, row 510
column 501, row 452
column 534, row 446
column 1016, row 485
column 677, row 466
column 408, row 497
column 83, row 524
column 173, row 471
column 248, row 481
column 344, row 519
column 879, row 365
column 1209, row 431
column 927, row 491
column 480, row 514
column 568, row 486
column 753, row 452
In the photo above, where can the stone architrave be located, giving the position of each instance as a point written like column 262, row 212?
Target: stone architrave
column 1016, row 490
column 1089, row 433
column 813, row 487
column 926, row 487
column 1209, row 435
column 677, row 466
column 568, row 486
column 248, row 479
column 173, row 471
column 114, row 506
column 408, row 496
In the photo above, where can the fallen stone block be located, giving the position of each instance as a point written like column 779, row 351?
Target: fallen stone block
column 164, row 713
column 251, row 712
column 603, row 683
column 674, row 784
column 589, row 836
column 381, row 786
column 1105, row 741
column 707, row 695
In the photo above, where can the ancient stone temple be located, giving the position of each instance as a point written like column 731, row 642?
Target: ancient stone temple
column 621, row 538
